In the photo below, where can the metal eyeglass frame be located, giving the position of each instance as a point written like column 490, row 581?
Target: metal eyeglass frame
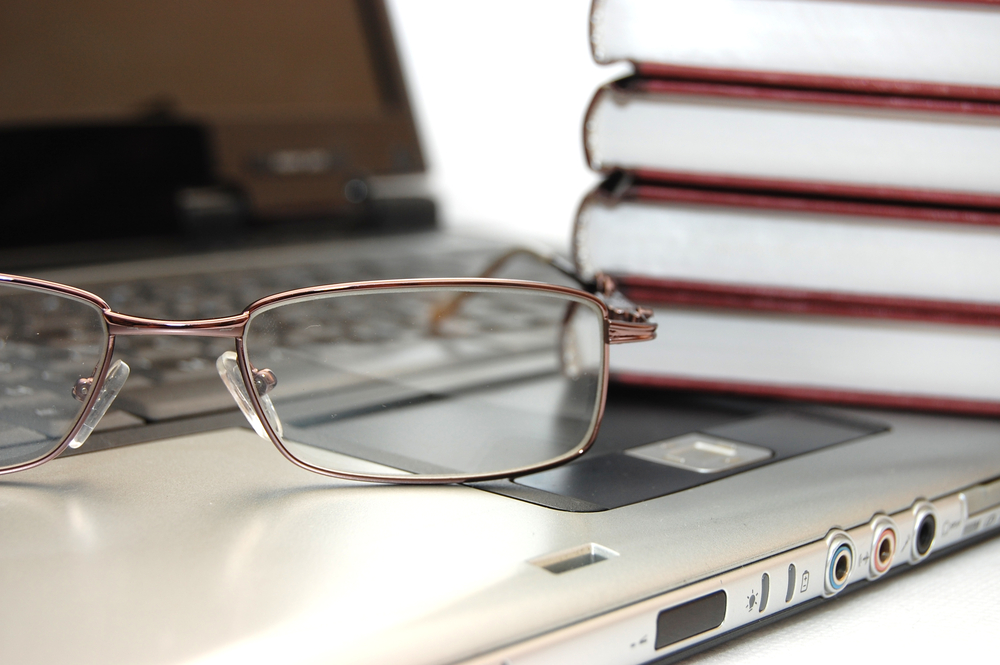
column 623, row 322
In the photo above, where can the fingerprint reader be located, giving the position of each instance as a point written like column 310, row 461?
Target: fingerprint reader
column 701, row 452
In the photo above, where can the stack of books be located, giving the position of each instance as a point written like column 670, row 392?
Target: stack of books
column 808, row 194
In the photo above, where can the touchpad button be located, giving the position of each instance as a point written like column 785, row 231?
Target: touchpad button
column 702, row 453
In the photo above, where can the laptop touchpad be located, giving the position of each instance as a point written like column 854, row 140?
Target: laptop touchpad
column 655, row 443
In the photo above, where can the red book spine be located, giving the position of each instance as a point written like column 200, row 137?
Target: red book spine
column 819, row 82
column 828, row 189
column 810, row 394
column 654, row 291
column 653, row 192
column 807, row 96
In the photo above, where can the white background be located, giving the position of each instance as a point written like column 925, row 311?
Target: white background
column 499, row 91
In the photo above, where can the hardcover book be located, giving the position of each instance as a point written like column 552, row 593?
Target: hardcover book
column 796, row 141
column 857, row 249
column 874, row 352
column 933, row 49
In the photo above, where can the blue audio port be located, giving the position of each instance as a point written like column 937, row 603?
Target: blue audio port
column 841, row 567
column 839, row 561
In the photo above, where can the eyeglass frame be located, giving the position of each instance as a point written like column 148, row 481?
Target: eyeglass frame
column 624, row 322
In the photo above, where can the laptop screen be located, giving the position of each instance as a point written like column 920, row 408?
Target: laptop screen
column 120, row 108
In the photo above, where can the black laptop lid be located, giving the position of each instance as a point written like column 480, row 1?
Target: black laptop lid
column 125, row 120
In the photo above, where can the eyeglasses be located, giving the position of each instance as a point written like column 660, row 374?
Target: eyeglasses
column 404, row 381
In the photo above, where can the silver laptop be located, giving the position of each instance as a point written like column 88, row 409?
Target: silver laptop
column 176, row 534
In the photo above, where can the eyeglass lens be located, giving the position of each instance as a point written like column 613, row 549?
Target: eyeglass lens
column 429, row 380
column 50, row 348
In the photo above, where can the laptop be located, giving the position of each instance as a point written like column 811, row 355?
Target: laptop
column 176, row 534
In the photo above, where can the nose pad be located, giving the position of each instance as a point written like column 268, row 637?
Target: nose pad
column 229, row 369
column 570, row 354
column 113, row 383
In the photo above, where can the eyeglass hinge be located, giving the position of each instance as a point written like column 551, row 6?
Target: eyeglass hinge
column 624, row 332
column 627, row 322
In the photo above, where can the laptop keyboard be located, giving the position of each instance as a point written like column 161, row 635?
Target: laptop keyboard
column 175, row 377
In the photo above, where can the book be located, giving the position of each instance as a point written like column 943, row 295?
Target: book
column 828, row 300
column 932, row 49
column 657, row 236
column 806, row 193
column 887, row 352
column 797, row 141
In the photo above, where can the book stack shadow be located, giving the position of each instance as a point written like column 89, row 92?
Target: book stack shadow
column 806, row 193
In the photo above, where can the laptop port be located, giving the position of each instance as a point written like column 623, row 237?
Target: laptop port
column 883, row 545
column 839, row 561
column 924, row 530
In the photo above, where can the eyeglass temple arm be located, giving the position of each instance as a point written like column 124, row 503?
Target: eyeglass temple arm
column 628, row 322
